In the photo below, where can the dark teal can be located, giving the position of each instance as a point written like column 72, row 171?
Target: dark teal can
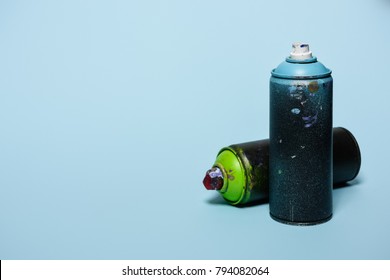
column 300, row 155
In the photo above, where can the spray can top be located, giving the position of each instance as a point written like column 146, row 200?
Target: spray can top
column 214, row 179
column 300, row 51
column 301, row 64
column 229, row 176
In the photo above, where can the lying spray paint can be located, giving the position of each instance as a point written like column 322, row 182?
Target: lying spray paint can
column 240, row 171
column 300, row 166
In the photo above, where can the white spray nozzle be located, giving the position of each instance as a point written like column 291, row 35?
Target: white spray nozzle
column 300, row 51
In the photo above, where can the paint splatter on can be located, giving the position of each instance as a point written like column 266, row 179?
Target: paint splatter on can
column 240, row 171
column 300, row 165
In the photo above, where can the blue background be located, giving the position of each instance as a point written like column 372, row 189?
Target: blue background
column 112, row 111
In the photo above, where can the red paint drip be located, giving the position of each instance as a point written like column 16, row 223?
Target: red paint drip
column 211, row 183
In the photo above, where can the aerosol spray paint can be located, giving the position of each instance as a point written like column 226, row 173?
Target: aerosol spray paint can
column 300, row 164
column 240, row 171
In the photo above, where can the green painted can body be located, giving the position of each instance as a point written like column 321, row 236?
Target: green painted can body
column 245, row 167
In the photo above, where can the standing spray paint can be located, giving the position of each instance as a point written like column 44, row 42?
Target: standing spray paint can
column 240, row 171
column 300, row 164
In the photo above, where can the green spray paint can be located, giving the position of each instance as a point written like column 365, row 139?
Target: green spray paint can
column 240, row 171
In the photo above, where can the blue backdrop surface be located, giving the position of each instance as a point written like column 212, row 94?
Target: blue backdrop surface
column 112, row 111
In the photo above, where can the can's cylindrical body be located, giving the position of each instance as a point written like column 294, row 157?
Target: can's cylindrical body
column 252, row 157
column 300, row 164
column 249, row 163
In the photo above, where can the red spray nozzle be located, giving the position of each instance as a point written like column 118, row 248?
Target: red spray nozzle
column 213, row 179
